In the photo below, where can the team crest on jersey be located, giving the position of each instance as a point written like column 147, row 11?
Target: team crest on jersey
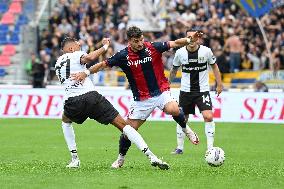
column 201, row 59
column 148, row 51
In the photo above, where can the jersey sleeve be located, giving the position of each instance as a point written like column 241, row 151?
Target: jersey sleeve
column 114, row 60
column 176, row 61
column 211, row 57
column 161, row 46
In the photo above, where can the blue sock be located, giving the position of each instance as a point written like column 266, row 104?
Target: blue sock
column 124, row 145
column 180, row 119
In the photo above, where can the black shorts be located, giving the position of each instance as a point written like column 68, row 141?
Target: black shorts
column 188, row 100
column 90, row 105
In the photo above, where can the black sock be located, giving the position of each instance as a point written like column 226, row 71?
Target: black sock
column 180, row 119
column 124, row 145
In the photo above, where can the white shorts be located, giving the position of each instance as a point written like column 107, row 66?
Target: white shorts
column 142, row 109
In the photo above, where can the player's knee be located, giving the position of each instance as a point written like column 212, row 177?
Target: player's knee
column 208, row 117
column 65, row 119
column 174, row 111
column 133, row 123
column 171, row 108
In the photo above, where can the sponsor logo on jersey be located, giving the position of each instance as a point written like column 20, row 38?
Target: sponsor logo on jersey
column 137, row 62
column 195, row 68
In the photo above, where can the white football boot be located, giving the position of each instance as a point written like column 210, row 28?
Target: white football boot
column 118, row 163
column 191, row 135
column 156, row 162
column 75, row 163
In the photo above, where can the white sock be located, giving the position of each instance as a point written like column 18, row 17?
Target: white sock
column 69, row 136
column 180, row 137
column 137, row 139
column 210, row 131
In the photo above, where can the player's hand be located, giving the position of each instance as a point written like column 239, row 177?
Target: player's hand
column 197, row 35
column 219, row 89
column 106, row 41
column 80, row 76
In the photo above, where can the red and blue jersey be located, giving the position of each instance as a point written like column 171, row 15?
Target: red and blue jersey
column 144, row 69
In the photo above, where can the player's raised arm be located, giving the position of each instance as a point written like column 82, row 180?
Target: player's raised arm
column 92, row 56
column 185, row 41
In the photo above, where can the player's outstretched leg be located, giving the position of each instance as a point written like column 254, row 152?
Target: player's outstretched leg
column 69, row 136
column 137, row 139
column 124, row 145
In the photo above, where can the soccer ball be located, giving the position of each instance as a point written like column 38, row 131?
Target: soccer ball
column 215, row 156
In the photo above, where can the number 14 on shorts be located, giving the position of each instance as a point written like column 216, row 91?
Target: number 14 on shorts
column 206, row 99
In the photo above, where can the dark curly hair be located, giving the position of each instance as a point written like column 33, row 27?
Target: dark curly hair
column 134, row 32
column 67, row 40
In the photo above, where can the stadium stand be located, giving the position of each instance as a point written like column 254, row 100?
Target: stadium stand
column 13, row 19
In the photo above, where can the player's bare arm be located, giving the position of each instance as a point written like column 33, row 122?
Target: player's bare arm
column 173, row 73
column 185, row 41
column 80, row 76
column 92, row 56
column 217, row 75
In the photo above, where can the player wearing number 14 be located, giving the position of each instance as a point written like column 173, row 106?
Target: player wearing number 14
column 194, row 60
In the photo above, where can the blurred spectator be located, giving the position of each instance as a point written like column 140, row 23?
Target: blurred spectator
column 281, row 57
column 260, row 87
column 29, row 64
column 65, row 27
column 255, row 57
column 246, row 63
column 38, row 74
column 235, row 48
column 222, row 62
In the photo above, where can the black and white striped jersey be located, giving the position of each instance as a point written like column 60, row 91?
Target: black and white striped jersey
column 195, row 67
column 70, row 63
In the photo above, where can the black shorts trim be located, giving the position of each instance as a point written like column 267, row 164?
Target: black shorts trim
column 188, row 101
column 90, row 105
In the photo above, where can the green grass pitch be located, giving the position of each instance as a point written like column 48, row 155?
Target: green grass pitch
column 33, row 154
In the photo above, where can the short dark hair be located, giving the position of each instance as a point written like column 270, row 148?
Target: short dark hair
column 134, row 32
column 67, row 40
